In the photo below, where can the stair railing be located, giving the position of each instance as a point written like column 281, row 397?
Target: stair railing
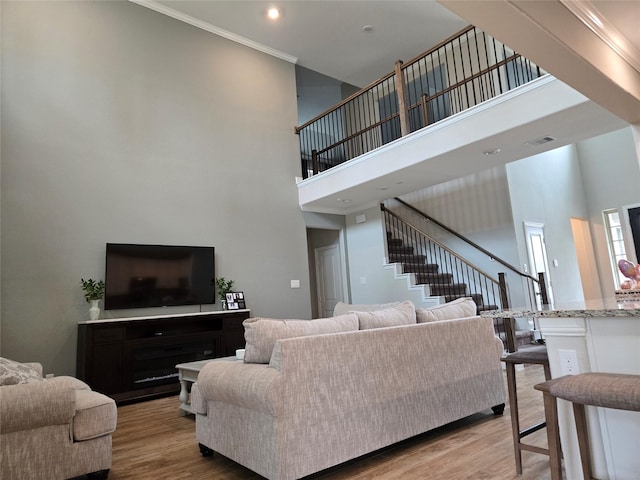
column 453, row 271
column 464, row 70
column 489, row 290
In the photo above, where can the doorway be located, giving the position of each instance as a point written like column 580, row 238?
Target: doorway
column 589, row 276
column 328, row 279
column 537, row 254
column 326, row 271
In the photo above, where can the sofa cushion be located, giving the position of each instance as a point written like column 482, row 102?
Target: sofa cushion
column 261, row 334
column 96, row 415
column 13, row 373
column 342, row 308
column 458, row 308
column 403, row 313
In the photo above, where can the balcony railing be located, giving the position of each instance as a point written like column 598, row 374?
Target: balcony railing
column 461, row 72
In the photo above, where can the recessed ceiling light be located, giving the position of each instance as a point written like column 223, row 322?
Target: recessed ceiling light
column 344, row 200
column 273, row 13
column 493, row 151
column 367, row 28
column 383, row 188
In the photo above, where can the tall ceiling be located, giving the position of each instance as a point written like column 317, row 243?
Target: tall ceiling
column 327, row 35
column 593, row 46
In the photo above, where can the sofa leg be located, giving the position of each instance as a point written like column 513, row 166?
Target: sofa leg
column 99, row 475
column 205, row 451
column 498, row 409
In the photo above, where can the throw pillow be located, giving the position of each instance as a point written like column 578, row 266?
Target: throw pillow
column 342, row 308
column 261, row 334
column 13, row 373
column 403, row 313
column 458, row 308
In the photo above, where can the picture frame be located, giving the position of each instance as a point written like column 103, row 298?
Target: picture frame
column 235, row 301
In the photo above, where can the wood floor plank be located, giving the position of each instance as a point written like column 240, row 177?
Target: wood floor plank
column 154, row 442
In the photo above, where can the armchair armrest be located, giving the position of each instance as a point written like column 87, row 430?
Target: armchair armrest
column 33, row 405
column 254, row 386
column 37, row 367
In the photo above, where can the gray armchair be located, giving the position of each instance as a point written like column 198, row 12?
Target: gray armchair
column 55, row 428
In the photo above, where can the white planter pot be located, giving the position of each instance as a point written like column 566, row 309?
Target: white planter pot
column 94, row 310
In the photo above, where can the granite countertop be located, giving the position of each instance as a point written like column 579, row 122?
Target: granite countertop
column 596, row 308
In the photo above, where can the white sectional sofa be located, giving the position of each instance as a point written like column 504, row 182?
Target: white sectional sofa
column 315, row 399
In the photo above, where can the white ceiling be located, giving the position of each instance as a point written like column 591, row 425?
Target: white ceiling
column 326, row 36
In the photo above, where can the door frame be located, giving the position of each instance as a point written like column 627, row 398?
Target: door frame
column 530, row 227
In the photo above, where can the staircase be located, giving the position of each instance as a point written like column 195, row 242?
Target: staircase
column 418, row 243
column 440, row 283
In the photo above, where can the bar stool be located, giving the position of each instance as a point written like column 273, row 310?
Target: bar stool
column 528, row 355
column 607, row 390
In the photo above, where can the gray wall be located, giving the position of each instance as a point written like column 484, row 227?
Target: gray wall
column 123, row 125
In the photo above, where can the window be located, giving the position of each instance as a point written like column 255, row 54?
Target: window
column 615, row 240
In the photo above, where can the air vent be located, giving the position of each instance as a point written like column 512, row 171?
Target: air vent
column 539, row 141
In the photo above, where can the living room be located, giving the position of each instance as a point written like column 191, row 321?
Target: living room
column 121, row 124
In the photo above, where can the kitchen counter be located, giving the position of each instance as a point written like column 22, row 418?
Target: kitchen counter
column 599, row 336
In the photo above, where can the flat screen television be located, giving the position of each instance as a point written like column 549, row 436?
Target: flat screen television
column 141, row 276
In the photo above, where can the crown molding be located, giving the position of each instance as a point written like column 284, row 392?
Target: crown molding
column 598, row 23
column 151, row 4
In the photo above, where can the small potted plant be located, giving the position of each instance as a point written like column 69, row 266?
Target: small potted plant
column 224, row 286
column 93, row 292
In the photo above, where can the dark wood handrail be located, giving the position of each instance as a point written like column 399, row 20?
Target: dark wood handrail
column 348, row 125
column 346, row 100
column 464, row 239
column 462, row 83
column 384, row 78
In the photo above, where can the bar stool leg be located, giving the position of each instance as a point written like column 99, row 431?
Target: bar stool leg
column 515, row 418
column 553, row 434
column 580, row 416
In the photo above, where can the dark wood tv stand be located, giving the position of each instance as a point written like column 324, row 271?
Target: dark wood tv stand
column 133, row 359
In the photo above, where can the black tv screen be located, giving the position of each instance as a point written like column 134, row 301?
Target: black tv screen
column 141, row 276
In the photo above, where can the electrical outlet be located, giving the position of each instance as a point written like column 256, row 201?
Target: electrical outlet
column 568, row 362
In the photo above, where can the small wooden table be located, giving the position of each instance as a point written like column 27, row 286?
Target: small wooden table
column 188, row 375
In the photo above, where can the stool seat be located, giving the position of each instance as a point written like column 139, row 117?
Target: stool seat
column 608, row 390
column 535, row 355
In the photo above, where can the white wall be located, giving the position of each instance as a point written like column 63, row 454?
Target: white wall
column 123, row 125
column 547, row 188
column 576, row 181
column 611, row 170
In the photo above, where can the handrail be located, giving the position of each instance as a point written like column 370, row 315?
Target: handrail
column 346, row 100
column 465, row 239
column 441, row 245
column 460, row 72
column 387, row 76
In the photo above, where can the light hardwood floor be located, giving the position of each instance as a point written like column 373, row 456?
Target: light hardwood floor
column 153, row 441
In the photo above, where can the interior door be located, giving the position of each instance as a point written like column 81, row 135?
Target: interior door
column 537, row 252
column 328, row 279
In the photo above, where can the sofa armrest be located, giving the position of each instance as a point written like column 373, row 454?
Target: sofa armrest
column 249, row 385
column 33, row 405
